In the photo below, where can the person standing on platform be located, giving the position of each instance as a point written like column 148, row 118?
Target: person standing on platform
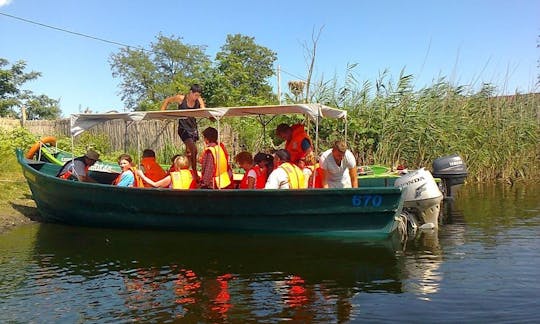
column 187, row 127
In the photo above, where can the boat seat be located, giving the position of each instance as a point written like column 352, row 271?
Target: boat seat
column 48, row 168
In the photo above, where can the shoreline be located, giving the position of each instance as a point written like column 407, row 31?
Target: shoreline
column 16, row 204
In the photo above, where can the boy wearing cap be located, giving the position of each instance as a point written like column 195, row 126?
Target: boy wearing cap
column 77, row 169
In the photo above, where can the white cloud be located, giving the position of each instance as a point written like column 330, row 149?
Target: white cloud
column 4, row 2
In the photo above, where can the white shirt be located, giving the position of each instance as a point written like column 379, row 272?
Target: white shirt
column 337, row 176
column 278, row 179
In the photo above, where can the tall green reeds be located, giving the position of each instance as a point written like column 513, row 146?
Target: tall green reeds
column 390, row 123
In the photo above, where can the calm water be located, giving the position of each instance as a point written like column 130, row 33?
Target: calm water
column 483, row 266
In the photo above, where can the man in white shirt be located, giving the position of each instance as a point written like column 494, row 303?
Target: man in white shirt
column 339, row 167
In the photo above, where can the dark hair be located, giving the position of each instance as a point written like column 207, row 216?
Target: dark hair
column 267, row 160
column 196, row 88
column 260, row 157
column 210, row 134
column 148, row 153
column 283, row 155
column 281, row 128
column 126, row 157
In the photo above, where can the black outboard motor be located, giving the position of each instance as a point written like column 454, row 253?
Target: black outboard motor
column 452, row 171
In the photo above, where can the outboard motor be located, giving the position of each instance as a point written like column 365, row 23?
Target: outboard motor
column 422, row 195
column 452, row 172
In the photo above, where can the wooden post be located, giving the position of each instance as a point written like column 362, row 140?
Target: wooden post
column 23, row 116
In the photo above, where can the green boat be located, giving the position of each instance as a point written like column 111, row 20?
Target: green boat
column 365, row 211
column 361, row 211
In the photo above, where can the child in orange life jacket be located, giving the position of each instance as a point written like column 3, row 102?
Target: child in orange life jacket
column 150, row 166
column 128, row 177
column 312, row 171
column 180, row 176
column 265, row 162
column 307, row 165
column 255, row 176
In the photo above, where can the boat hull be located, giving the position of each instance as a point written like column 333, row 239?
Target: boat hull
column 369, row 211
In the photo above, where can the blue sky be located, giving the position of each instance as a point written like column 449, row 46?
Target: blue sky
column 467, row 41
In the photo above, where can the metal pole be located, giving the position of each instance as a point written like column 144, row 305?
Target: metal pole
column 279, row 83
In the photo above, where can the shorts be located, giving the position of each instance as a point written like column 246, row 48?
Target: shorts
column 185, row 135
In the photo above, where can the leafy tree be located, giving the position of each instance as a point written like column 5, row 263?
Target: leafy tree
column 148, row 77
column 241, row 75
column 12, row 96
column 42, row 107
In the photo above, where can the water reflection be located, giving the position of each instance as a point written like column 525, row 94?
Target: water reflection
column 97, row 274
column 108, row 275
column 51, row 273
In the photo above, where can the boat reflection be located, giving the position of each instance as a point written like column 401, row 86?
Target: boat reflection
column 216, row 277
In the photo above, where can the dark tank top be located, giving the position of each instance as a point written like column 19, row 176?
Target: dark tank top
column 188, row 124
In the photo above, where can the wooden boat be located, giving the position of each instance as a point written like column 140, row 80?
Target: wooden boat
column 365, row 211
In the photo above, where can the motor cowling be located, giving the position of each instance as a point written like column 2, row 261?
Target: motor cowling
column 421, row 194
column 451, row 170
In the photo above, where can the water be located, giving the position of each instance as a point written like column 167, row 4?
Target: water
column 483, row 266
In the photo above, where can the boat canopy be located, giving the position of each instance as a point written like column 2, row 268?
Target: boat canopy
column 82, row 122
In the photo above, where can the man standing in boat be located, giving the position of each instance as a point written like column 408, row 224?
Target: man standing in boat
column 187, row 127
column 339, row 167
column 298, row 143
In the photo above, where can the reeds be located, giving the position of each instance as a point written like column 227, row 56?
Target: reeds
column 497, row 136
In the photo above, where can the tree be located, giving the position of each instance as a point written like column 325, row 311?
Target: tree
column 241, row 75
column 42, row 107
column 12, row 96
column 168, row 68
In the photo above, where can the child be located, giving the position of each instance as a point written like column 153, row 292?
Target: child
column 254, row 177
column 180, row 178
column 150, row 166
column 265, row 162
column 215, row 169
column 312, row 171
column 129, row 176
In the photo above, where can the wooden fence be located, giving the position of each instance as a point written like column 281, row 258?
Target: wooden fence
column 154, row 134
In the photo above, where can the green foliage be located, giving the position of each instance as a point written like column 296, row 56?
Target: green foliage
column 9, row 141
column 148, row 77
column 239, row 77
column 42, row 107
column 12, row 97
column 244, row 68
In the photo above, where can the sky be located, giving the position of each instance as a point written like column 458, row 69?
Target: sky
column 469, row 42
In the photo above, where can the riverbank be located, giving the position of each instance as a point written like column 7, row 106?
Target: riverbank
column 16, row 204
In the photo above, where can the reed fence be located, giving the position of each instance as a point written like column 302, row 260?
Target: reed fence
column 122, row 135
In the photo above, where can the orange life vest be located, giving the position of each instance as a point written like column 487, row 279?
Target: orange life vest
column 260, row 181
column 137, row 181
column 221, row 174
column 67, row 175
column 295, row 175
column 294, row 145
column 152, row 170
column 316, row 172
column 182, row 179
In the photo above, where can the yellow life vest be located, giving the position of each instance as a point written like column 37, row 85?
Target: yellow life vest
column 181, row 179
column 221, row 176
column 295, row 175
